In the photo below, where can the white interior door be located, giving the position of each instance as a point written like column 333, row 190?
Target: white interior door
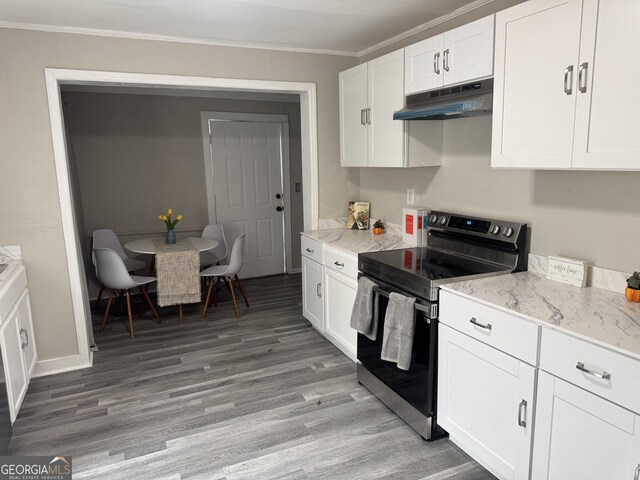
column 247, row 178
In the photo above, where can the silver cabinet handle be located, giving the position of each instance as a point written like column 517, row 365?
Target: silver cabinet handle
column 582, row 77
column 338, row 264
column 309, row 250
column 568, row 72
column 436, row 63
column 522, row 408
column 368, row 116
column 318, row 291
column 445, row 60
column 478, row 324
column 604, row 375
column 637, row 475
column 25, row 344
column 363, row 116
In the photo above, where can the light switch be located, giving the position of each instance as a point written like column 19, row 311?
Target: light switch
column 410, row 196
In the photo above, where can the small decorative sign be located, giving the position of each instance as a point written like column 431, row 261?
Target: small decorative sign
column 567, row 270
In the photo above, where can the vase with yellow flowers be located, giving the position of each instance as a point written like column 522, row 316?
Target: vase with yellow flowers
column 170, row 237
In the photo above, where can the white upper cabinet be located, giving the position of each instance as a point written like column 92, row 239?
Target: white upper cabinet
column 607, row 121
column 565, row 93
column 369, row 137
column 457, row 56
column 353, row 126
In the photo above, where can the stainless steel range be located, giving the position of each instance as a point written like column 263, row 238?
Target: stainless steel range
column 458, row 247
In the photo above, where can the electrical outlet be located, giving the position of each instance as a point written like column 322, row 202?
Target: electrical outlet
column 410, row 196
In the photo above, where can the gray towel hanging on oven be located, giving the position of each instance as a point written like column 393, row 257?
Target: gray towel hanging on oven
column 399, row 327
column 364, row 316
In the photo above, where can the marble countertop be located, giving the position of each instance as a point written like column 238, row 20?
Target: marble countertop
column 358, row 241
column 599, row 316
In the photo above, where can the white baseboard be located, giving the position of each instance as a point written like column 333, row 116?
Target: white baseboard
column 61, row 364
column 342, row 345
column 295, row 270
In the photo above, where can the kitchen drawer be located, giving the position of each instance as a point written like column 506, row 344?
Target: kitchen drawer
column 506, row 332
column 18, row 284
column 560, row 354
column 311, row 248
column 341, row 261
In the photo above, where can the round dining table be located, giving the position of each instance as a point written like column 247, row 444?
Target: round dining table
column 146, row 246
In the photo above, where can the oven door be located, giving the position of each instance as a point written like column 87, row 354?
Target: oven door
column 417, row 385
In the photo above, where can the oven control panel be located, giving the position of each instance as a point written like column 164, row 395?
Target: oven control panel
column 488, row 228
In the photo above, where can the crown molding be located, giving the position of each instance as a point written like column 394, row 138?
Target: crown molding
column 167, row 38
column 425, row 26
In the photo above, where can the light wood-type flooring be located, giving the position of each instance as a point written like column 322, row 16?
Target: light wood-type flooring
column 264, row 397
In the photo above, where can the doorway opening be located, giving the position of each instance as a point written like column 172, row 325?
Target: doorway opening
column 57, row 78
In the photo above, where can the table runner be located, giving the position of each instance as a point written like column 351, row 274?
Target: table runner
column 178, row 270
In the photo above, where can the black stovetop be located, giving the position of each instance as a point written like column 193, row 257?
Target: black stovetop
column 421, row 270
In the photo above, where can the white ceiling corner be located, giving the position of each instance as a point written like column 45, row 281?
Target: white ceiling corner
column 338, row 27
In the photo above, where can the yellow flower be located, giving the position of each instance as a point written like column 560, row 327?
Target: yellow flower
column 169, row 212
column 160, row 217
column 179, row 217
column 163, row 217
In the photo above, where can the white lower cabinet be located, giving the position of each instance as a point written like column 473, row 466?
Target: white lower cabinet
column 485, row 402
column 19, row 354
column 312, row 292
column 580, row 435
column 340, row 293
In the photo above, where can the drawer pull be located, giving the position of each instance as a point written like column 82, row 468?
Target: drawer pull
column 25, row 344
column 318, row 291
column 637, row 475
column 478, row 324
column 522, row 408
column 338, row 264
column 604, row 375
column 309, row 250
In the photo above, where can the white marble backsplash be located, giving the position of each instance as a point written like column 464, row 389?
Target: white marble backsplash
column 331, row 223
column 598, row 277
column 10, row 252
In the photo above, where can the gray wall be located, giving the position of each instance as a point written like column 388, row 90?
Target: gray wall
column 592, row 216
column 31, row 213
column 136, row 155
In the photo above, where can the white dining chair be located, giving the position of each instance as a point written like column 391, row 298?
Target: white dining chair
column 113, row 274
column 215, row 255
column 106, row 238
column 229, row 274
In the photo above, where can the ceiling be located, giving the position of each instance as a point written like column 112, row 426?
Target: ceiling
column 344, row 27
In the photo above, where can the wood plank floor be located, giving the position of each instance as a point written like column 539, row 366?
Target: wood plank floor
column 262, row 397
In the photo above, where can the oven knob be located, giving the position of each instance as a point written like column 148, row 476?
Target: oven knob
column 496, row 229
column 508, row 232
column 443, row 220
column 433, row 219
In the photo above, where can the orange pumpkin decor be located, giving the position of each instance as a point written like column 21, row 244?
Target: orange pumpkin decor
column 632, row 295
column 378, row 231
column 378, row 227
column 633, row 288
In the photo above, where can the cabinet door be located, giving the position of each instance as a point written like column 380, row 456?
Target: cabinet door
column 340, row 293
column 485, row 402
column 536, row 60
column 353, row 126
column 386, row 95
column 312, row 301
column 468, row 52
column 607, row 124
column 28, row 343
column 423, row 65
column 580, row 435
column 12, row 358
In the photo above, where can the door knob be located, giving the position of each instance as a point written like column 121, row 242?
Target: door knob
column 279, row 208
column 278, row 196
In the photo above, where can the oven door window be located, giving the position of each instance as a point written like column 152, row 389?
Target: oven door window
column 416, row 384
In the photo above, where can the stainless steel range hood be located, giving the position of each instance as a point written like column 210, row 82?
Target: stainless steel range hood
column 468, row 100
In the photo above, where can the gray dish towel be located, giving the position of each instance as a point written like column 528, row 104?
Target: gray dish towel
column 364, row 316
column 399, row 326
